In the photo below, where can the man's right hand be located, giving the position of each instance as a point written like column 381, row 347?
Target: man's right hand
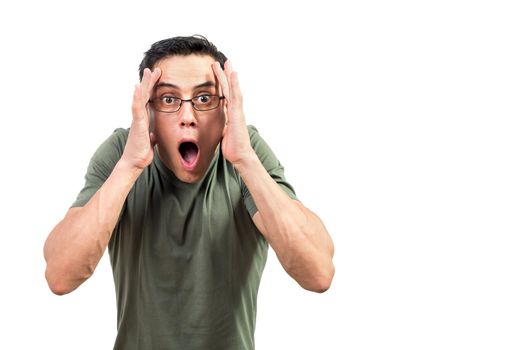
column 77, row 243
column 138, row 152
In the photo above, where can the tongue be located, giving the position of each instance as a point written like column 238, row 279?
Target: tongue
column 189, row 152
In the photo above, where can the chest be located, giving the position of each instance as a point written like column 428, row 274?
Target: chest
column 197, row 227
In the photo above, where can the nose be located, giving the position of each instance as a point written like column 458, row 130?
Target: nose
column 187, row 114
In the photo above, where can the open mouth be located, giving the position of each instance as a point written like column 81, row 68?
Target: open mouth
column 189, row 154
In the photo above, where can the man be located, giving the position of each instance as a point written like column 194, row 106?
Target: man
column 187, row 199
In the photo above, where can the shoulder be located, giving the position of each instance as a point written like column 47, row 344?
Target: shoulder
column 254, row 136
column 117, row 140
column 262, row 149
column 112, row 147
column 119, row 136
column 257, row 142
column 253, row 131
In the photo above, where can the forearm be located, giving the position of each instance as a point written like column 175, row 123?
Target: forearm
column 77, row 243
column 298, row 236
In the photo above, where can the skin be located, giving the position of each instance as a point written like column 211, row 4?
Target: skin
column 298, row 236
column 206, row 127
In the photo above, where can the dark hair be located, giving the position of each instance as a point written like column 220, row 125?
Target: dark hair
column 182, row 46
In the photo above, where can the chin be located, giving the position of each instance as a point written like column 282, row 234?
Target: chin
column 189, row 178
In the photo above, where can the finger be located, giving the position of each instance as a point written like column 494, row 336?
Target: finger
column 236, row 94
column 222, row 79
column 228, row 69
column 149, row 79
column 144, row 85
column 155, row 75
column 234, row 87
column 137, row 107
column 143, row 92
column 140, row 97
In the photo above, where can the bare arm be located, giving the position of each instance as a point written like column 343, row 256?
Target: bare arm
column 298, row 236
column 76, row 245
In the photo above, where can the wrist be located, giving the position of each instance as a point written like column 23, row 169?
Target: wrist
column 128, row 170
column 249, row 161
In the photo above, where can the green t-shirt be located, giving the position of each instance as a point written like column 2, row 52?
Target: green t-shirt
column 187, row 258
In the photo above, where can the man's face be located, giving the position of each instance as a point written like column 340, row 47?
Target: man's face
column 187, row 139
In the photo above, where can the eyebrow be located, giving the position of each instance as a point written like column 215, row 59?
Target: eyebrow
column 208, row 83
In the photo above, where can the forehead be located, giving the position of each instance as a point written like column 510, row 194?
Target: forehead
column 186, row 71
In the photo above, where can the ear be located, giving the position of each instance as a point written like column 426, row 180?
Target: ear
column 153, row 139
column 151, row 118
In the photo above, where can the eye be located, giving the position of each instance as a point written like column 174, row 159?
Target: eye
column 203, row 99
column 168, row 100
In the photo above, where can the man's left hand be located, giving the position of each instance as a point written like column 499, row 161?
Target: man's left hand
column 236, row 146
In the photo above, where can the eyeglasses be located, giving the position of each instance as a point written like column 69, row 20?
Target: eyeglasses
column 171, row 104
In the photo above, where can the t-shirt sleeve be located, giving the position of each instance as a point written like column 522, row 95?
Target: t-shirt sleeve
column 272, row 166
column 101, row 165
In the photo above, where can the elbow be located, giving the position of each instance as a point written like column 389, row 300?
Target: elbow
column 57, row 285
column 322, row 287
column 59, row 289
column 322, row 282
column 60, row 284
column 319, row 286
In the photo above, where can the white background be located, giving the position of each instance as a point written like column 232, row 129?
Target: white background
column 400, row 123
